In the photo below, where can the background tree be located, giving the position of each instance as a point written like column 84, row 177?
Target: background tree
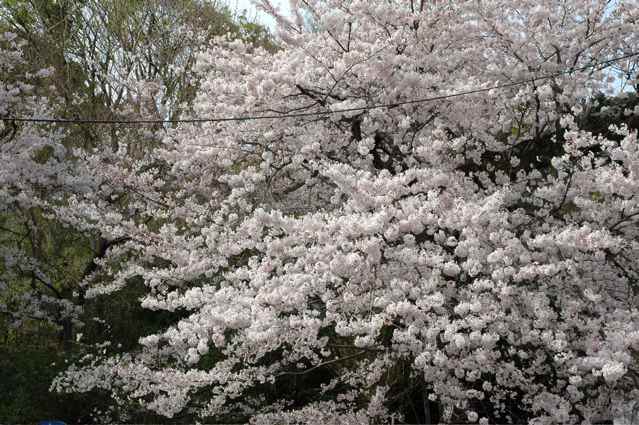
column 101, row 60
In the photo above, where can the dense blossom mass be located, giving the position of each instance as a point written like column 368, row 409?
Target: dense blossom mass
column 479, row 253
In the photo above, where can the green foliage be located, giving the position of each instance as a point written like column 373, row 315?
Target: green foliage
column 26, row 373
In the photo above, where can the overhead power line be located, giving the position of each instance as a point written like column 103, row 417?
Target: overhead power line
column 601, row 65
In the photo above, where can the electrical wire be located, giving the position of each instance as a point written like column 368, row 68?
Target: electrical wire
column 602, row 65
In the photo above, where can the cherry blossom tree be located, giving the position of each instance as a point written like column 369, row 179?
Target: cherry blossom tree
column 467, row 259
